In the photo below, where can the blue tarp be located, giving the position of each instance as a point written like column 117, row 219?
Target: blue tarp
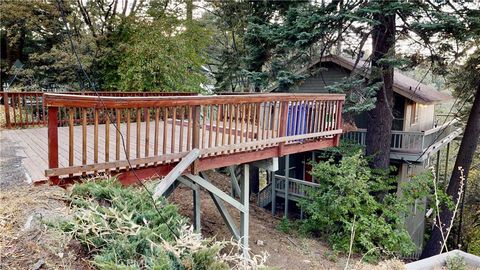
column 297, row 119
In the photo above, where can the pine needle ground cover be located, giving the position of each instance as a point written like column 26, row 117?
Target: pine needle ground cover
column 121, row 229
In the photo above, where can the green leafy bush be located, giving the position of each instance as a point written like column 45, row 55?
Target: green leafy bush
column 285, row 225
column 122, row 230
column 351, row 194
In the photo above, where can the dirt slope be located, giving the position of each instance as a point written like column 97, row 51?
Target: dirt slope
column 286, row 251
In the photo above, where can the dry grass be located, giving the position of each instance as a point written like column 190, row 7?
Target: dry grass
column 25, row 240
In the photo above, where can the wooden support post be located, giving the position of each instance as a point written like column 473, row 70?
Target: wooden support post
column 244, row 215
column 339, row 122
column 196, row 133
column 196, row 210
column 234, row 182
column 53, row 142
column 274, row 193
column 7, row 110
column 287, row 175
column 283, row 126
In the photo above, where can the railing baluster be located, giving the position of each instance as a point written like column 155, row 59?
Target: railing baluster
column 204, row 119
column 189, row 129
column 275, row 120
column 157, row 126
column 230, row 116
column 182, row 117
column 84, row 138
column 174, row 128
column 237, row 112
column 307, row 117
column 165, row 130
column 267, row 121
column 210, row 128
column 147, row 133
column 254, row 122
column 127, row 154
column 95, row 138
column 20, row 109
column 107, row 137
column 247, row 131
column 139, row 126
column 14, row 110
column 117, row 135
column 38, row 108
column 242, row 118
column 224, row 124
column 217, row 124
column 71, row 141
column 196, row 127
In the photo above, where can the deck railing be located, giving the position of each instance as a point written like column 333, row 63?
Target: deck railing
column 409, row 141
column 296, row 188
column 161, row 130
column 27, row 109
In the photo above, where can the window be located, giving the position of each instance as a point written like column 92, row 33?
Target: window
column 414, row 114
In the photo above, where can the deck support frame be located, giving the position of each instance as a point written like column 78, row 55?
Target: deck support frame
column 234, row 182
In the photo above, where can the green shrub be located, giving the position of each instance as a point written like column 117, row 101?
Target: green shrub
column 285, row 225
column 456, row 263
column 351, row 194
column 122, row 230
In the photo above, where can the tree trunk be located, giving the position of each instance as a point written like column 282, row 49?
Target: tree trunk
column 464, row 160
column 189, row 10
column 380, row 118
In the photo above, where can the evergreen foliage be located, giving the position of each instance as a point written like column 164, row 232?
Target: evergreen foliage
column 121, row 229
column 352, row 194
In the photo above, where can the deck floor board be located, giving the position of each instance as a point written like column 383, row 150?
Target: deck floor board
column 34, row 144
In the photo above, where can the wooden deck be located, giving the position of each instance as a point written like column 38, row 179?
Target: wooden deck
column 33, row 144
column 155, row 133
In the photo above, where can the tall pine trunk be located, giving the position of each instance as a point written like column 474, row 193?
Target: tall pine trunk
column 379, row 126
column 464, row 160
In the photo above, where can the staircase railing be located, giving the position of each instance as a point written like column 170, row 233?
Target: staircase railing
column 265, row 196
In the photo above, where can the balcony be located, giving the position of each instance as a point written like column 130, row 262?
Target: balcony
column 413, row 146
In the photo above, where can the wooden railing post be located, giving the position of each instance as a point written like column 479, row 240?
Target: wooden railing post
column 339, row 121
column 282, row 130
column 53, row 142
column 196, row 134
column 7, row 110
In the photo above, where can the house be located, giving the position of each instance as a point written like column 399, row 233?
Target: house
column 417, row 135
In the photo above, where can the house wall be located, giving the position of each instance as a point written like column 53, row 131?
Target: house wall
column 426, row 117
column 317, row 82
column 415, row 220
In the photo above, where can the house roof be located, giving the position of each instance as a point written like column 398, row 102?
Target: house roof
column 403, row 85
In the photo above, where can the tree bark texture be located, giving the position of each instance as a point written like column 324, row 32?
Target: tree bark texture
column 379, row 126
column 464, row 159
